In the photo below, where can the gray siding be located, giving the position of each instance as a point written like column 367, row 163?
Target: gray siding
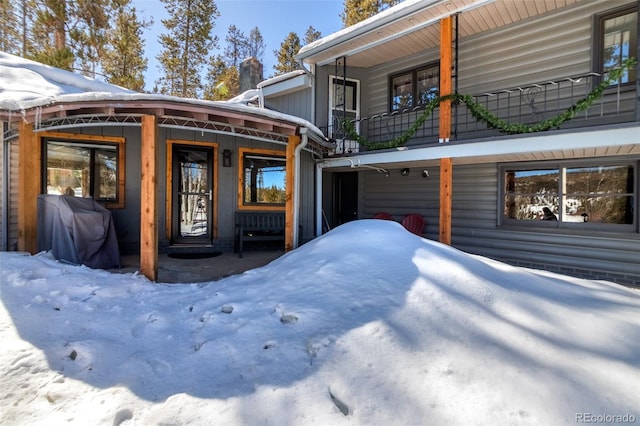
column 298, row 104
column 402, row 195
column 474, row 224
column 10, row 241
column 552, row 47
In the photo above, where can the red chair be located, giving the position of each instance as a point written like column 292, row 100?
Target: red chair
column 414, row 223
column 383, row 216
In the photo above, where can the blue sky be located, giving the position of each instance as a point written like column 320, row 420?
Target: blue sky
column 275, row 19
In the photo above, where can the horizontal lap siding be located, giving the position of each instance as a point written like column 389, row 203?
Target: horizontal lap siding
column 474, row 230
column 549, row 48
column 402, row 195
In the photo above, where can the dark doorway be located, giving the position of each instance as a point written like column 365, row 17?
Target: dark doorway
column 346, row 197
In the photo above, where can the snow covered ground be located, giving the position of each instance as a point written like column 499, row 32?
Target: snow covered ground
column 367, row 325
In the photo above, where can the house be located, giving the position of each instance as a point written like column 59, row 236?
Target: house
column 173, row 172
column 544, row 114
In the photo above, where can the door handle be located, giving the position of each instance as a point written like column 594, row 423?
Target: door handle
column 210, row 193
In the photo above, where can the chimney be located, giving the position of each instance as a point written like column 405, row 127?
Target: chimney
column 250, row 74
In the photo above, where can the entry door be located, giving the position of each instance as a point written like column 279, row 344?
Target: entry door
column 192, row 201
column 346, row 197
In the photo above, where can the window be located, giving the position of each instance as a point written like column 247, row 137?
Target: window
column 618, row 38
column 263, row 177
column 571, row 194
column 84, row 169
column 414, row 87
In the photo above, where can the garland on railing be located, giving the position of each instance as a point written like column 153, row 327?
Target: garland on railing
column 481, row 114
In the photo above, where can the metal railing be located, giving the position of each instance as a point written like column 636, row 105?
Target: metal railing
column 528, row 104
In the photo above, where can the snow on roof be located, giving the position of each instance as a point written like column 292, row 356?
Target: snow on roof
column 281, row 77
column 25, row 84
column 375, row 21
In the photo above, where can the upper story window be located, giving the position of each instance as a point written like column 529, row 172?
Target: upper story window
column 571, row 194
column 263, row 177
column 84, row 169
column 414, row 87
column 618, row 39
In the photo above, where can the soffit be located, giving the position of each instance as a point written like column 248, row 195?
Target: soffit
column 419, row 30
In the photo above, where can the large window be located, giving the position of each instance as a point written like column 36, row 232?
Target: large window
column 83, row 169
column 414, row 87
column 571, row 194
column 263, row 177
column 618, row 38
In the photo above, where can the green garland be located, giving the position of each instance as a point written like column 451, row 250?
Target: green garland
column 481, row 114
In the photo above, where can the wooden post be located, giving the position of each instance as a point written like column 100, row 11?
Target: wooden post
column 446, row 166
column 294, row 141
column 148, row 198
column 29, row 181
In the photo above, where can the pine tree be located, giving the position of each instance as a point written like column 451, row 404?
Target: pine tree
column 186, row 45
column 50, row 35
column 311, row 35
column 286, row 55
column 256, row 44
column 223, row 81
column 10, row 36
column 236, row 49
column 123, row 62
column 359, row 10
column 65, row 33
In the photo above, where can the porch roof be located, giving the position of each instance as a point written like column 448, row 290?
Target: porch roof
column 53, row 98
column 412, row 26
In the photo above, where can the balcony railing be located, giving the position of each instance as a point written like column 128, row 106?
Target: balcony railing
column 525, row 105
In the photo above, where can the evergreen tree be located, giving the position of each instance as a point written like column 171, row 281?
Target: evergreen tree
column 223, row 81
column 186, row 45
column 123, row 62
column 237, row 46
column 311, row 35
column 50, row 35
column 65, row 33
column 256, row 44
column 10, row 36
column 286, row 55
column 359, row 10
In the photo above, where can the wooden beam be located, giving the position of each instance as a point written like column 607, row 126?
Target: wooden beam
column 446, row 166
column 446, row 85
column 148, row 198
column 294, row 141
column 29, row 182
column 446, row 176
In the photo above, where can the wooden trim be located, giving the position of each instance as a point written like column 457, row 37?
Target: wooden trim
column 29, row 183
column 290, row 194
column 148, row 198
column 241, row 152
column 79, row 137
column 446, row 86
column 169, row 182
column 446, row 166
column 446, row 186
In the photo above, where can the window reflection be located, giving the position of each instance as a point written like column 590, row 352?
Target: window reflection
column 264, row 179
column 82, row 170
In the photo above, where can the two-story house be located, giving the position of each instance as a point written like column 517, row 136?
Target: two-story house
column 535, row 162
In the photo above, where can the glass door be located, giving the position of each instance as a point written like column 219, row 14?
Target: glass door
column 192, row 203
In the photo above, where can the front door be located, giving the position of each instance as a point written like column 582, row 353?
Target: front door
column 192, row 195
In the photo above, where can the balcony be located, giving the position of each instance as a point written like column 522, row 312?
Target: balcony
column 525, row 105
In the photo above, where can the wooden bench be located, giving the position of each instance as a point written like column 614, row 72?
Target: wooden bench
column 258, row 226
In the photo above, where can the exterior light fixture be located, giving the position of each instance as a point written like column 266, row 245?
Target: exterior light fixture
column 226, row 158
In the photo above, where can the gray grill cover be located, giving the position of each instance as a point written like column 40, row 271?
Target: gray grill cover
column 77, row 230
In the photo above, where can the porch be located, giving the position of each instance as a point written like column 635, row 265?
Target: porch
column 175, row 270
column 520, row 106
